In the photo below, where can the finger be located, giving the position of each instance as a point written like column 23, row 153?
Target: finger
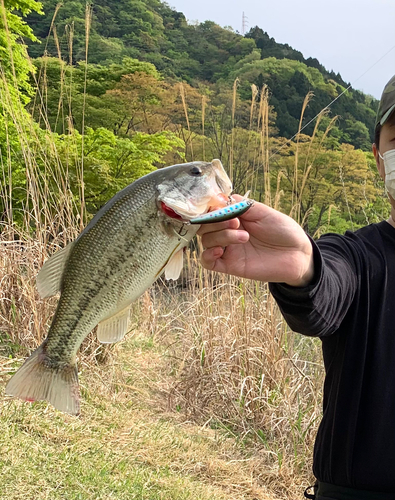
column 210, row 257
column 224, row 238
column 258, row 212
column 219, row 226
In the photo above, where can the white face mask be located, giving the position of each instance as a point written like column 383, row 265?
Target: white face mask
column 389, row 164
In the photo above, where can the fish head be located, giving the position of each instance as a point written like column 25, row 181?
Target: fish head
column 192, row 189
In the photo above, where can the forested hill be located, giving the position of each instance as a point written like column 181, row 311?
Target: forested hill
column 152, row 31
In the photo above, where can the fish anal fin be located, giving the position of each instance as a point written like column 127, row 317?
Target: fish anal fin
column 37, row 380
column 49, row 278
column 113, row 329
column 174, row 266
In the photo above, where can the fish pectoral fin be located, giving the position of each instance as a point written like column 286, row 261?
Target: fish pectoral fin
column 174, row 266
column 50, row 275
column 113, row 329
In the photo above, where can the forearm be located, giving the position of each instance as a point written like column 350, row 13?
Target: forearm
column 318, row 308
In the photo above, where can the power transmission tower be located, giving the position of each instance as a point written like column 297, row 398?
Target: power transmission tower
column 244, row 24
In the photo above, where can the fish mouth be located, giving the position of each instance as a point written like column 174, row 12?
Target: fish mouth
column 170, row 212
column 220, row 200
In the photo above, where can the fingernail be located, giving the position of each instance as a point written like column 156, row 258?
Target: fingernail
column 242, row 236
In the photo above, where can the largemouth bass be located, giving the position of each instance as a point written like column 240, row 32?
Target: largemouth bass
column 137, row 235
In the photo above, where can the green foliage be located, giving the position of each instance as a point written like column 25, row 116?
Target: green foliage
column 357, row 133
column 15, row 91
column 300, row 76
column 126, row 112
column 151, row 31
column 326, row 189
column 290, row 80
column 110, row 162
column 64, row 86
column 121, row 28
column 15, row 66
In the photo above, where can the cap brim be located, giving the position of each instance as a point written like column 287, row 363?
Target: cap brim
column 387, row 115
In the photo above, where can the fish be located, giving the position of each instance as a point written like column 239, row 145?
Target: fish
column 222, row 214
column 135, row 237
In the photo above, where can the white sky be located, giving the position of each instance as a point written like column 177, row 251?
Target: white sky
column 348, row 36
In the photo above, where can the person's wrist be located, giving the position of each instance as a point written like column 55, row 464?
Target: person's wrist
column 306, row 276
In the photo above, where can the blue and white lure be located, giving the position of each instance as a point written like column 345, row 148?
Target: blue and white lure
column 222, row 214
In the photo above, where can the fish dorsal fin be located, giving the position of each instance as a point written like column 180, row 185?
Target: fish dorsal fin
column 50, row 276
column 174, row 266
column 113, row 329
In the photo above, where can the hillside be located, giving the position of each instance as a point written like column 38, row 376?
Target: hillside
column 205, row 53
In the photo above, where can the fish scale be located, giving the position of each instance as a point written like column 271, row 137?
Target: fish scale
column 129, row 273
column 120, row 253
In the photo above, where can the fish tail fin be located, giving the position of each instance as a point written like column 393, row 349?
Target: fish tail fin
column 37, row 380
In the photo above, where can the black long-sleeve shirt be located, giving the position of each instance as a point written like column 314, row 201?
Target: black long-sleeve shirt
column 351, row 307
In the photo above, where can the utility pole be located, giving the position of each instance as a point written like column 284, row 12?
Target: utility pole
column 244, row 24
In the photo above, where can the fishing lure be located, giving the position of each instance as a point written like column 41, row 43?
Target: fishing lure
column 229, row 212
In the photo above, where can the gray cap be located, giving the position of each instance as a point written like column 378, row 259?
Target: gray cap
column 387, row 103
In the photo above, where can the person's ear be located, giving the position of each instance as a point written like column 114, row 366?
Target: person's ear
column 379, row 162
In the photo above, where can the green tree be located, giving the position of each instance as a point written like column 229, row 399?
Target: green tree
column 61, row 93
column 13, row 31
column 357, row 133
column 327, row 181
column 15, row 92
column 151, row 31
column 109, row 163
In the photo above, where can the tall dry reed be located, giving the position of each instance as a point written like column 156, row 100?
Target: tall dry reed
column 236, row 367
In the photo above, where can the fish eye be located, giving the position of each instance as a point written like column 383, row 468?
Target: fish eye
column 195, row 171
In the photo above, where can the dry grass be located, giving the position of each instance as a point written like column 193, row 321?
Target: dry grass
column 210, row 361
column 23, row 316
column 120, row 448
column 237, row 367
column 131, row 441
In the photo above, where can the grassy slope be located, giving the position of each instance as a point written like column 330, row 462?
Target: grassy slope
column 124, row 445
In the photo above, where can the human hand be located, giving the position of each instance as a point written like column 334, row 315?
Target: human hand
column 262, row 244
